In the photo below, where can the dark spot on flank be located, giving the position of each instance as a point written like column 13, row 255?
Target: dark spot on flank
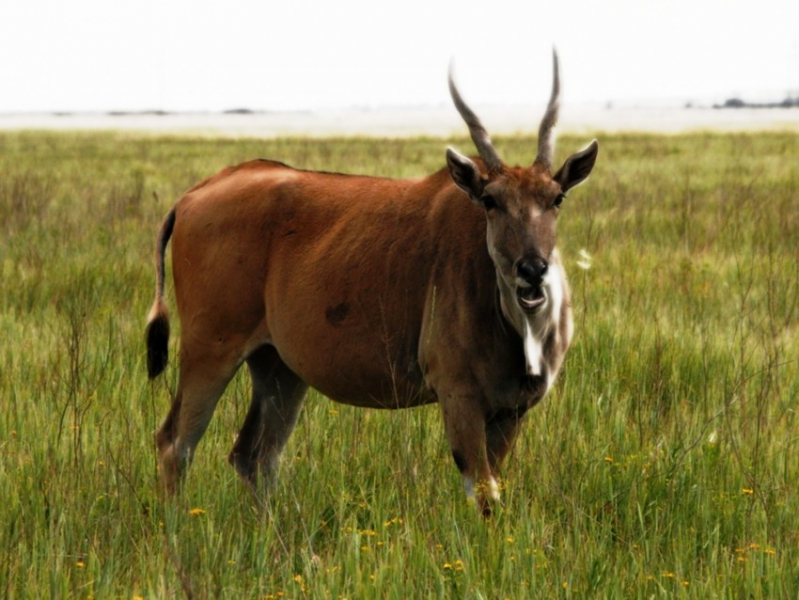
column 460, row 462
column 335, row 315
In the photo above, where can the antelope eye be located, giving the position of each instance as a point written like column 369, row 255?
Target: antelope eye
column 488, row 201
column 559, row 200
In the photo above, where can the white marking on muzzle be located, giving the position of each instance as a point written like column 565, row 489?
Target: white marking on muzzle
column 553, row 282
column 538, row 326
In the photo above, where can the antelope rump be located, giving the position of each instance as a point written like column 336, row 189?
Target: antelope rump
column 377, row 292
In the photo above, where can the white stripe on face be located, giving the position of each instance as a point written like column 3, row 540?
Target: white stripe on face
column 553, row 281
column 539, row 325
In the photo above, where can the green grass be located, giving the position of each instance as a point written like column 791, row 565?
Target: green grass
column 663, row 464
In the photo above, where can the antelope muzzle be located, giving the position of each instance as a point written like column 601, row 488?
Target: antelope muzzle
column 531, row 292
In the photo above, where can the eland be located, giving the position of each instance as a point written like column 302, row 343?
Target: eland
column 376, row 292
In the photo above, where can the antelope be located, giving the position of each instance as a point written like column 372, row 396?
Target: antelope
column 376, row 292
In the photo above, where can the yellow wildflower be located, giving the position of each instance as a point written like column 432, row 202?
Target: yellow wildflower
column 196, row 512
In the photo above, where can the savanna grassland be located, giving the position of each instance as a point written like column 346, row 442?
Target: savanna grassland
column 665, row 463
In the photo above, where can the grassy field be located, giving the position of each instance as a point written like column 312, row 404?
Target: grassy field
column 663, row 464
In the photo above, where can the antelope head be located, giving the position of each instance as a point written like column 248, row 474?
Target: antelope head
column 521, row 206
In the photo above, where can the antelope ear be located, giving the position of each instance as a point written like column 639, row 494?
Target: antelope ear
column 465, row 174
column 577, row 167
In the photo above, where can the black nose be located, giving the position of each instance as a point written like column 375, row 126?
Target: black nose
column 532, row 270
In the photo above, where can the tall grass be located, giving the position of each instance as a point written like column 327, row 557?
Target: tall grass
column 663, row 463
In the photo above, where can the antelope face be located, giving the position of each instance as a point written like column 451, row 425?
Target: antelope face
column 522, row 208
column 521, row 205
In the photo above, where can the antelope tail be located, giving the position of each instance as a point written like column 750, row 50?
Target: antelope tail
column 157, row 332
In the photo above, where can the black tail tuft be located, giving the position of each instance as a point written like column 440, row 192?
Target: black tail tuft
column 157, row 345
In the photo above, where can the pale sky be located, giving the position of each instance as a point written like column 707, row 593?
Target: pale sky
column 100, row 55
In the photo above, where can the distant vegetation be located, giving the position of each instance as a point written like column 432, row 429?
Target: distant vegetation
column 162, row 113
column 129, row 113
column 664, row 463
column 789, row 102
